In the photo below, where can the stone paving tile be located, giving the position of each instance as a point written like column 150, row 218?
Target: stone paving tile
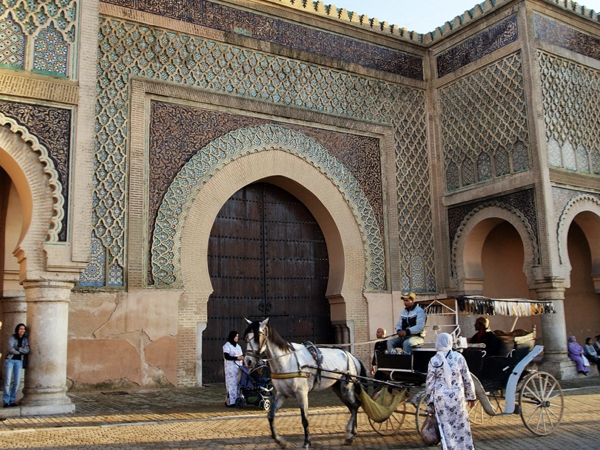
column 197, row 419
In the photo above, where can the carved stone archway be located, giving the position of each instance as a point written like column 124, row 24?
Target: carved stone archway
column 297, row 164
column 470, row 238
column 585, row 211
column 46, row 293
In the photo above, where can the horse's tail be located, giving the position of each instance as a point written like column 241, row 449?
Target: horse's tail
column 358, row 382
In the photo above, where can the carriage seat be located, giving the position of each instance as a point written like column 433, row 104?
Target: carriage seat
column 516, row 343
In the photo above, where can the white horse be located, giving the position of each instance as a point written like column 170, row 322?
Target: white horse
column 294, row 374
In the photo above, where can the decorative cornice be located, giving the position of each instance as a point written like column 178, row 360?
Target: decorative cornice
column 54, row 182
column 451, row 26
column 566, row 178
column 39, row 89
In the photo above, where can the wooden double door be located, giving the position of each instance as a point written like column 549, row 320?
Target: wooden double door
column 267, row 257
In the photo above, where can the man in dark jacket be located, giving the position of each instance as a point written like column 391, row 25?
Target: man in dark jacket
column 485, row 336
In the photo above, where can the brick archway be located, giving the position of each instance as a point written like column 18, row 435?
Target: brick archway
column 468, row 244
column 23, row 165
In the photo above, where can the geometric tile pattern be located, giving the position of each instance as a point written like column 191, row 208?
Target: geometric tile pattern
column 413, row 191
column 478, row 46
column 281, row 32
column 52, row 129
column 571, row 113
column 130, row 49
column 177, row 131
column 166, row 265
column 49, row 171
column 484, row 121
column 95, row 275
column 51, row 52
column 34, row 17
column 12, row 44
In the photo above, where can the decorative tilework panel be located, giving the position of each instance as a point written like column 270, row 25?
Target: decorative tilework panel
column 595, row 161
column 281, row 32
column 554, row 153
column 478, row 46
column 127, row 49
column 520, row 157
column 468, row 172
column 166, row 264
column 52, row 127
column 483, row 112
column 53, row 26
column 570, row 93
column 583, row 163
column 484, row 167
column 12, row 44
column 51, row 52
column 502, row 162
column 522, row 201
column 557, row 33
column 413, row 188
column 177, row 132
column 452, row 178
column 95, row 275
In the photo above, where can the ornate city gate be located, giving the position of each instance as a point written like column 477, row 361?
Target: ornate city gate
column 267, row 258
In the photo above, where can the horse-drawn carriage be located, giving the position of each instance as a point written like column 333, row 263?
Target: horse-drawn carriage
column 504, row 384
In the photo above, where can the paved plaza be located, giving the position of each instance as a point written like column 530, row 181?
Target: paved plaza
column 197, row 419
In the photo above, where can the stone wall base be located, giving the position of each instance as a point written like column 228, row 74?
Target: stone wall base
column 562, row 370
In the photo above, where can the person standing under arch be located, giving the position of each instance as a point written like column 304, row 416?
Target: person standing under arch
column 18, row 349
column 233, row 357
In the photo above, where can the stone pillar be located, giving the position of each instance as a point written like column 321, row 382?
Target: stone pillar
column 47, row 318
column 14, row 311
column 554, row 329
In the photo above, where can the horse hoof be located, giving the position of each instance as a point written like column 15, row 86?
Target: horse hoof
column 282, row 443
column 348, row 441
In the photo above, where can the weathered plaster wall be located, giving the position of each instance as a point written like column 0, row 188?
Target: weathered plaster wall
column 123, row 339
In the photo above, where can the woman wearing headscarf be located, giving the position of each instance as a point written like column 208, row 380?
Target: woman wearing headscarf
column 576, row 354
column 18, row 348
column 232, row 354
column 448, row 385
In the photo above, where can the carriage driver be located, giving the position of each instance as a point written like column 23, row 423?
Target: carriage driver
column 410, row 327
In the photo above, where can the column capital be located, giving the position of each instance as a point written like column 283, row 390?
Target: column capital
column 14, row 303
column 48, row 290
column 550, row 288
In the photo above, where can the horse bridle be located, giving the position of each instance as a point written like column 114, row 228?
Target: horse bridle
column 250, row 352
column 262, row 346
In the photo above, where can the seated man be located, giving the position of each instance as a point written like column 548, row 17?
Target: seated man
column 380, row 347
column 485, row 336
column 410, row 327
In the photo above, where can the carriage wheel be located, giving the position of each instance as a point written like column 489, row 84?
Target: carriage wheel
column 477, row 414
column 421, row 411
column 393, row 423
column 266, row 404
column 541, row 403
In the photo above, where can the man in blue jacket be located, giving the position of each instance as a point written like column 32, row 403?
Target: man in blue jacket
column 410, row 327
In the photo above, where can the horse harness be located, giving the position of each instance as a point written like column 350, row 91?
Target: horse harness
column 312, row 349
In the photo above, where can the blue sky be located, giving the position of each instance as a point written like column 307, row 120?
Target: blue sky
column 418, row 15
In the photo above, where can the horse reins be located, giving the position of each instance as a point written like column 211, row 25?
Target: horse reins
column 284, row 375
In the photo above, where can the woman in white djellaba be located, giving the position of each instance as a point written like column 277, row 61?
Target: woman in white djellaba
column 233, row 359
column 449, row 390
